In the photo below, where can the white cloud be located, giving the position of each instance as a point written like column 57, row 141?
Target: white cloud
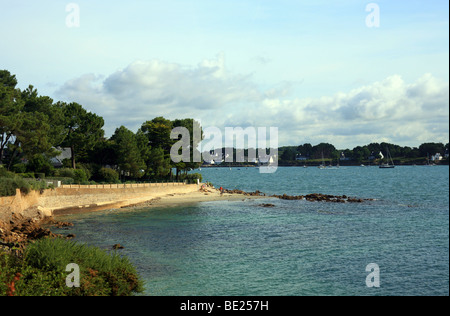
column 387, row 110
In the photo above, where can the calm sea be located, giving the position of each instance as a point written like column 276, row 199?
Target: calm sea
column 297, row 247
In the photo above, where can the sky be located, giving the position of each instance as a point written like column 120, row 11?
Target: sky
column 347, row 72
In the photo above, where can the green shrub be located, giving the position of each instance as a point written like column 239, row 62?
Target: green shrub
column 8, row 186
column 89, row 168
column 19, row 168
column 40, row 164
column 191, row 177
column 37, row 185
column 26, row 175
column 43, row 270
column 108, row 175
column 5, row 173
column 80, row 176
column 64, row 173
column 40, row 175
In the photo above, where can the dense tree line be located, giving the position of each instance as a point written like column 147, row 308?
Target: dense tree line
column 32, row 127
column 362, row 153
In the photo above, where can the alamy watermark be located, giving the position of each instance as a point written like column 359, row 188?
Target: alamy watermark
column 73, row 278
column 213, row 153
column 373, row 278
column 73, row 16
column 373, row 18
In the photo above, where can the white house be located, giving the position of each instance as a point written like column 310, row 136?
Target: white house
column 301, row 157
column 436, row 157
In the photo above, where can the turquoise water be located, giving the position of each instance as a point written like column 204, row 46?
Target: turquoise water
column 296, row 247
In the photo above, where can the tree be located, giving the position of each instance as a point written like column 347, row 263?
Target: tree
column 358, row 154
column 11, row 107
column 31, row 137
column 426, row 149
column 128, row 154
column 191, row 125
column 7, row 80
column 288, row 154
column 40, row 163
column 54, row 113
column 159, row 165
column 305, row 149
column 143, row 145
column 84, row 130
column 103, row 153
column 38, row 126
column 323, row 148
column 158, row 133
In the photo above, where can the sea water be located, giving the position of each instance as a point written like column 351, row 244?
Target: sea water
column 295, row 247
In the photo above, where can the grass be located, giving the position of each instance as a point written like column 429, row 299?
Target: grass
column 41, row 271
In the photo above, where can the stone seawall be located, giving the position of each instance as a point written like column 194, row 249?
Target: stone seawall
column 78, row 198
column 22, row 204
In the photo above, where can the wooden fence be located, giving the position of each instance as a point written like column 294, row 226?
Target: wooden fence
column 120, row 186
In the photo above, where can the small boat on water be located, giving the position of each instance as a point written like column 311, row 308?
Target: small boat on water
column 386, row 165
column 322, row 166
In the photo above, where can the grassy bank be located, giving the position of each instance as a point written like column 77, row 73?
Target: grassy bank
column 8, row 185
column 41, row 271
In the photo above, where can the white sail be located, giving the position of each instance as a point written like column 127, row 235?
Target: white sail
column 381, row 154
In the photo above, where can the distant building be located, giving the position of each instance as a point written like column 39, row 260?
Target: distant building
column 216, row 160
column 343, row 158
column 436, row 157
column 66, row 153
column 301, row 157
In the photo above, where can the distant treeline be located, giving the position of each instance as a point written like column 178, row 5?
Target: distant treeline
column 308, row 154
column 426, row 152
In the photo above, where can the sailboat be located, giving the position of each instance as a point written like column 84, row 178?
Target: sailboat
column 322, row 166
column 428, row 161
column 386, row 164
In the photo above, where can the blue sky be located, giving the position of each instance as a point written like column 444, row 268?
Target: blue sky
column 313, row 69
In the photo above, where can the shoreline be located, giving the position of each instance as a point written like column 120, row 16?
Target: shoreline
column 167, row 200
column 48, row 207
column 21, row 227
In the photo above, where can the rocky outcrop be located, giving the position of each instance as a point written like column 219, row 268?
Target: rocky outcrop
column 314, row 197
column 317, row 197
column 20, row 230
column 236, row 191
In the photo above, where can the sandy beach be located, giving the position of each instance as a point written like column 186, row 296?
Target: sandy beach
column 158, row 200
column 81, row 199
column 177, row 199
